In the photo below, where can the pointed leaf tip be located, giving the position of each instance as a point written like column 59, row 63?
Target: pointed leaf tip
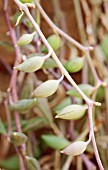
column 25, row 39
column 72, row 112
column 31, row 65
column 75, row 148
column 46, row 89
column 56, row 116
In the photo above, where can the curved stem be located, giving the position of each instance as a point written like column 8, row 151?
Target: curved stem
column 85, row 49
column 55, row 28
column 12, row 85
column 63, row 70
column 91, row 131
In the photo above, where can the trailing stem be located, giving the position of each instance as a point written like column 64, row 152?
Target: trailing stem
column 89, row 102
column 12, row 86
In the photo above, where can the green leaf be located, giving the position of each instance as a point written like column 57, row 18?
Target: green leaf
column 65, row 102
column 49, row 63
column 100, row 94
column 43, row 105
column 104, row 46
column 29, row 24
column 55, row 142
column 15, row 17
column 86, row 88
column 25, row 39
column 26, row 1
column 54, row 41
column 27, row 87
column 18, row 138
column 2, row 128
column 75, row 64
column 34, row 124
column 72, row 112
column 11, row 163
column 75, row 148
column 46, row 89
column 32, row 163
column 23, row 105
column 31, row 65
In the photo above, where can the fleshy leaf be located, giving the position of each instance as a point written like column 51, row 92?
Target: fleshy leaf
column 46, row 89
column 55, row 142
column 18, row 138
column 75, row 148
column 49, row 63
column 32, row 163
column 86, row 88
column 23, row 105
column 25, row 39
column 31, row 65
column 72, row 112
column 75, row 64
column 54, row 41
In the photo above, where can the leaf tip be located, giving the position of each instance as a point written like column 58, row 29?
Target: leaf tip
column 62, row 151
column 97, row 104
column 57, row 116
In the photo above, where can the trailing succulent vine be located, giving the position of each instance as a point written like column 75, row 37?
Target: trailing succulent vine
column 79, row 101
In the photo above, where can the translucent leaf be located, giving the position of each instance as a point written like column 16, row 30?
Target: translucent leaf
column 25, row 39
column 32, row 163
column 49, row 63
column 23, row 105
column 31, row 65
column 54, row 41
column 18, row 138
column 27, row 87
column 72, row 112
column 75, row 148
column 86, row 88
column 75, row 64
column 55, row 142
column 46, row 89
